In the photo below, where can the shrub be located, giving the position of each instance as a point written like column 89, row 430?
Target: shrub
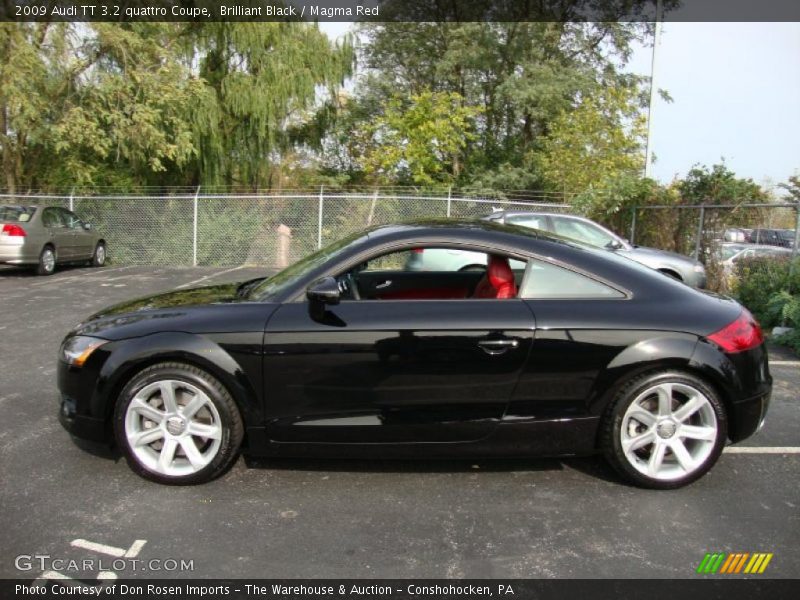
column 763, row 286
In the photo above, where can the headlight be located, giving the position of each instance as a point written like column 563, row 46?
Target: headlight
column 698, row 269
column 77, row 349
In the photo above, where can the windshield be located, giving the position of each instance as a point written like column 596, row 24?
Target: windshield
column 278, row 283
column 726, row 252
column 582, row 231
column 16, row 214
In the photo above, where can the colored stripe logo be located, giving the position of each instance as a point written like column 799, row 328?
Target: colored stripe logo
column 728, row 563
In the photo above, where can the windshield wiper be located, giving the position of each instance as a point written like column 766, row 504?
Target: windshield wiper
column 243, row 289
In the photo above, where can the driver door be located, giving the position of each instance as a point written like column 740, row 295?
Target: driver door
column 394, row 370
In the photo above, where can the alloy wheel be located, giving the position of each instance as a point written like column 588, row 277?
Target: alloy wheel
column 669, row 431
column 173, row 428
column 48, row 260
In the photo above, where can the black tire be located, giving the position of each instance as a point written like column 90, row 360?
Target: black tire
column 45, row 265
column 100, row 255
column 611, row 432
column 231, row 421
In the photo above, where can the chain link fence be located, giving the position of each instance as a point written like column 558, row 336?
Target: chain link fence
column 734, row 241
column 274, row 230
column 270, row 230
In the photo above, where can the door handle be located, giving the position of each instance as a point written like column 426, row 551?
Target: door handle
column 495, row 347
column 383, row 285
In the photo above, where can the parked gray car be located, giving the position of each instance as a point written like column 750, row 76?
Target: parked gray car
column 45, row 236
column 580, row 229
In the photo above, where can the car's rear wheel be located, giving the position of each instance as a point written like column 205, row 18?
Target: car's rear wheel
column 47, row 261
column 665, row 430
column 99, row 256
column 177, row 424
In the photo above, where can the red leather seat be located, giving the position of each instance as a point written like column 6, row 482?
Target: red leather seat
column 498, row 282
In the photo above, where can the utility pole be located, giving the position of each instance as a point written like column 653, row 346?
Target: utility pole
column 648, row 161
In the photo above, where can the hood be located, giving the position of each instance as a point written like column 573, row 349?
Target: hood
column 199, row 310
column 211, row 294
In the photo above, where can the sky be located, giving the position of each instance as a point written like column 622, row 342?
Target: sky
column 736, row 95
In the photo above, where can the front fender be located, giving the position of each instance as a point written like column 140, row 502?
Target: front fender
column 127, row 357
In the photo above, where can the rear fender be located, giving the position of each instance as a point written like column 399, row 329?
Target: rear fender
column 672, row 350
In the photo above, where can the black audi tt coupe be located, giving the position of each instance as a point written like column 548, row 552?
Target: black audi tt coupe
column 554, row 349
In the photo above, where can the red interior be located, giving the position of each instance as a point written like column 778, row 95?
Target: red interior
column 498, row 281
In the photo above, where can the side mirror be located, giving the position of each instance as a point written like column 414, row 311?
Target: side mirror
column 321, row 292
column 615, row 245
column 325, row 290
column 87, row 226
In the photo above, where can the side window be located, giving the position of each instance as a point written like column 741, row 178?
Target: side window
column 51, row 217
column 71, row 219
column 428, row 273
column 582, row 231
column 530, row 221
column 544, row 280
column 396, row 261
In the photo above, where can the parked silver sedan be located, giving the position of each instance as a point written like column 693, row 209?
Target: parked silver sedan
column 583, row 230
column 728, row 254
column 45, row 236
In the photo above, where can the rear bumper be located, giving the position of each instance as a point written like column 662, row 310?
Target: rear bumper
column 16, row 254
column 748, row 417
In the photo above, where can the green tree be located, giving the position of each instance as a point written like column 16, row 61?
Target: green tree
column 792, row 186
column 264, row 80
column 521, row 75
column 600, row 138
column 420, row 141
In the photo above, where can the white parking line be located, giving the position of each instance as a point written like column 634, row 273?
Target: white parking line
column 101, row 548
column 785, row 363
column 78, row 276
column 131, row 552
column 196, row 281
column 762, row 450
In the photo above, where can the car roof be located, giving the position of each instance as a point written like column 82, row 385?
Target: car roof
column 522, row 213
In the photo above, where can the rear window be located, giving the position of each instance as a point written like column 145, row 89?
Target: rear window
column 16, row 214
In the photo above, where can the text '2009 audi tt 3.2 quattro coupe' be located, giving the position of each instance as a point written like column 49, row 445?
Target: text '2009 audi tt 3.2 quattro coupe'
column 348, row 354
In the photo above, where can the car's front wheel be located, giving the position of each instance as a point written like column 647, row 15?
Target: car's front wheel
column 177, row 424
column 664, row 430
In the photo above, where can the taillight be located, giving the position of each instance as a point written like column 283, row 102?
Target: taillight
column 12, row 230
column 418, row 250
column 743, row 334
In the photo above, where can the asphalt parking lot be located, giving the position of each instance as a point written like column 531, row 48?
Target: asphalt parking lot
column 330, row 518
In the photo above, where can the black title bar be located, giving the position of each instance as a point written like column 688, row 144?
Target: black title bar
column 706, row 588
column 398, row 10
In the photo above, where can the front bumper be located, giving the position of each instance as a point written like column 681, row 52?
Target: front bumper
column 81, row 426
column 81, row 410
column 696, row 279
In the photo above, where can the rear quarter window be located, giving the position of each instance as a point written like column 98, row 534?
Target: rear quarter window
column 16, row 214
column 545, row 280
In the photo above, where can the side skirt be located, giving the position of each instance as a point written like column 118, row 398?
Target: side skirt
column 518, row 438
